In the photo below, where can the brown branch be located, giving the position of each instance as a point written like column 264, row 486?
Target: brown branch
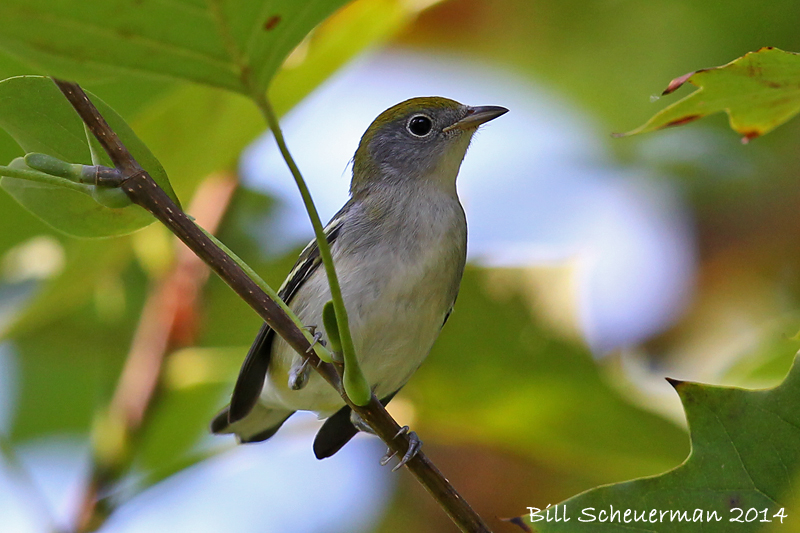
column 168, row 309
column 163, row 325
column 143, row 191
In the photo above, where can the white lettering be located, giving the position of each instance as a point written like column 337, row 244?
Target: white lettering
column 587, row 512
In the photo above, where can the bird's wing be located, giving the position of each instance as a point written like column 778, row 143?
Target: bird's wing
column 254, row 369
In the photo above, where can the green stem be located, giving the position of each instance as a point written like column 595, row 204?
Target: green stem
column 348, row 348
column 41, row 177
column 322, row 352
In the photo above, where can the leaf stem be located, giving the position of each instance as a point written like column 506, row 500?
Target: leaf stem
column 348, row 348
column 41, row 177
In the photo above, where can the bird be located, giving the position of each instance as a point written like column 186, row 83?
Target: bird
column 399, row 246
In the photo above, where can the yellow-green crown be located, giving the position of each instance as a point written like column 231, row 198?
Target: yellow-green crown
column 363, row 165
column 401, row 111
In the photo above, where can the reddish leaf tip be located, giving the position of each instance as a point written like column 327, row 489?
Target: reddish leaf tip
column 750, row 135
column 675, row 84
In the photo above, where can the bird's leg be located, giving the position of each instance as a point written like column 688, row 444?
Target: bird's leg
column 317, row 339
column 298, row 375
column 317, row 335
column 414, row 443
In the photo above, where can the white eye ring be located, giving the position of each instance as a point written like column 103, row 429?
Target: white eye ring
column 420, row 125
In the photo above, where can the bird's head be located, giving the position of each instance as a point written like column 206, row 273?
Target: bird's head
column 419, row 139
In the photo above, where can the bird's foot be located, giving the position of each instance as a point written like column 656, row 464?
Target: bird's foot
column 414, row 445
column 298, row 375
column 414, row 442
column 317, row 336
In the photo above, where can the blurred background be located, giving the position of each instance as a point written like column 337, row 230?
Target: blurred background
column 598, row 266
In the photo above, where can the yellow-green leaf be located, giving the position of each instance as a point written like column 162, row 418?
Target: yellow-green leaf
column 759, row 91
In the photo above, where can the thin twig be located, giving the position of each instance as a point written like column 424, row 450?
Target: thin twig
column 162, row 326
column 143, row 191
column 169, row 307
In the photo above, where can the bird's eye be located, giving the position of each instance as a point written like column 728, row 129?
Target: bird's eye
column 420, row 125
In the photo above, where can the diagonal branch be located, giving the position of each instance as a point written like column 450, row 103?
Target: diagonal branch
column 170, row 305
column 142, row 190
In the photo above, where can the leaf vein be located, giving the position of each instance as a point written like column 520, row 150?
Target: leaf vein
column 741, row 461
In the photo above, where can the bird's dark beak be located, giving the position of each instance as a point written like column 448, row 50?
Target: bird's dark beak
column 477, row 116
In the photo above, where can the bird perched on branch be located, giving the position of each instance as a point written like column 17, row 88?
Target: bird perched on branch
column 399, row 246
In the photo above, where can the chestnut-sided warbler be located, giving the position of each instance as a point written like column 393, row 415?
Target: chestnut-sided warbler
column 399, row 246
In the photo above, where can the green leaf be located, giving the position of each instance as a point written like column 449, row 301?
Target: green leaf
column 233, row 44
column 759, row 91
column 745, row 455
column 35, row 113
column 360, row 25
column 196, row 130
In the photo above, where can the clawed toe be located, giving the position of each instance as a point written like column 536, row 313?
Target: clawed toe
column 359, row 423
column 298, row 375
column 388, row 457
column 414, row 445
column 317, row 336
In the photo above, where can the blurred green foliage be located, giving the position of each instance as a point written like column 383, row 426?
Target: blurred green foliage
column 522, row 388
column 531, row 414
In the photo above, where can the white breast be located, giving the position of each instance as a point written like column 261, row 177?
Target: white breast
column 397, row 292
